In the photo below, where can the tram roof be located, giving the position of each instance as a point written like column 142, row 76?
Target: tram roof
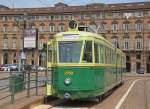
column 86, row 34
column 82, row 34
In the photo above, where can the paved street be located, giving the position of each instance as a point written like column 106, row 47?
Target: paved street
column 137, row 98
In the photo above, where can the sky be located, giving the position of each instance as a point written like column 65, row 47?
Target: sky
column 47, row 3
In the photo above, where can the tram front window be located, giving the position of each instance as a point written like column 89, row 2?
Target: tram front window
column 69, row 51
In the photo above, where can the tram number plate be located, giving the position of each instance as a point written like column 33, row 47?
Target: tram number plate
column 69, row 73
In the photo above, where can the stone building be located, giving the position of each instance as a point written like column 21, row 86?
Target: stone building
column 124, row 24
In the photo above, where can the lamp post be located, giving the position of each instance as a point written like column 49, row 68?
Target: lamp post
column 21, row 24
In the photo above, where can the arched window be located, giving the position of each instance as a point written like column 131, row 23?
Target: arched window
column 5, row 42
column 5, row 58
column 42, row 27
column 126, row 43
column 114, row 26
column 52, row 27
column 115, row 41
column 138, row 44
column 126, row 26
column 5, row 28
column 14, row 43
column 138, row 26
column 61, row 27
column 33, row 25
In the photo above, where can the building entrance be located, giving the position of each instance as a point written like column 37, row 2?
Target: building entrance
column 138, row 65
column 128, row 67
column 148, row 67
column 5, row 59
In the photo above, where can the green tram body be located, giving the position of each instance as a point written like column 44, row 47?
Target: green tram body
column 84, row 65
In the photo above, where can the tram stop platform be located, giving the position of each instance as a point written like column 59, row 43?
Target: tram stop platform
column 22, row 101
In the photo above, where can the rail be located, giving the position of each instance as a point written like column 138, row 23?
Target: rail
column 14, row 82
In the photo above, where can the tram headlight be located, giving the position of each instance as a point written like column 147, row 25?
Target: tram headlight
column 67, row 81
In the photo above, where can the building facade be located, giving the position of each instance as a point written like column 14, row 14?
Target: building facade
column 126, row 25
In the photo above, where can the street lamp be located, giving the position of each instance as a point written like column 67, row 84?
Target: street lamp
column 21, row 24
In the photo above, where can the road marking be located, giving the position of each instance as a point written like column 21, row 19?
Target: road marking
column 125, row 95
column 42, row 107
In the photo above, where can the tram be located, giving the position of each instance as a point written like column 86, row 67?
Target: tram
column 83, row 64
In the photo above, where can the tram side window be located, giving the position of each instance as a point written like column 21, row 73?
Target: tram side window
column 106, row 55
column 49, row 53
column 113, row 57
column 96, row 53
column 101, row 53
column 55, row 53
column 109, row 56
column 87, row 54
column 118, row 59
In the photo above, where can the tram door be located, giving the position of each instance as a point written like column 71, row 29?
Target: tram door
column 50, row 68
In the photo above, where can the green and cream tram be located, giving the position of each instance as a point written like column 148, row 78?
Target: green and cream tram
column 83, row 64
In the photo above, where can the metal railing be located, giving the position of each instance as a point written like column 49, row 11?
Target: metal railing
column 14, row 82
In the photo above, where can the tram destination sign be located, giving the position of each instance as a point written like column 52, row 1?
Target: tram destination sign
column 71, row 36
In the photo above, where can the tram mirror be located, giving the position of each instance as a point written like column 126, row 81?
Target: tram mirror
column 72, row 24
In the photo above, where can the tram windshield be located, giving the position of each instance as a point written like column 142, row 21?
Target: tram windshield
column 69, row 51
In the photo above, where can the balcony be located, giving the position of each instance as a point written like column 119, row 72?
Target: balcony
column 138, row 49
column 138, row 31
column 126, row 31
column 5, row 47
column 114, row 31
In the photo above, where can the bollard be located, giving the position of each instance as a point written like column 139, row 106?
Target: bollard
column 11, row 84
column 28, row 86
column 36, row 83
column 12, row 94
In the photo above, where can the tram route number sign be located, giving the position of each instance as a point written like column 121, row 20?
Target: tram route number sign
column 71, row 36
